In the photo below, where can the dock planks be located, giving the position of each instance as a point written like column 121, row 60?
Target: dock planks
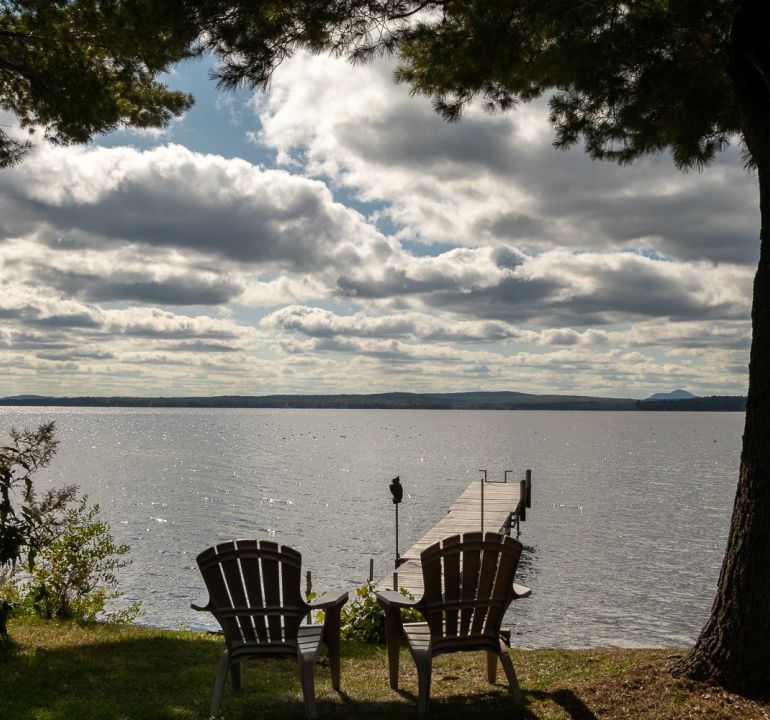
column 500, row 500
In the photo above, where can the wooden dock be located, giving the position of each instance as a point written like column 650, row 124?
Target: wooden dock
column 504, row 505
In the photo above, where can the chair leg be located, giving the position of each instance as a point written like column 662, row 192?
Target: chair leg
column 424, row 665
column 219, row 684
column 306, row 667
column 491, row 667
column 513, row 681
column 332, row 640
column 393, row 637
column 235, row 676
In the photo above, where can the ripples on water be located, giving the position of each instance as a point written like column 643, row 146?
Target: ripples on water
column 623, row 544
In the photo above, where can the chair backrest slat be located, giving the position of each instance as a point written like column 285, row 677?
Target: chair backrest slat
column 231, row 570
column 431, row 572
column 501, row 592
column 452, row 588
column 213, row 576
column 471, row 564
column 251, row 570
column 291, row 576
column 271, row 579
column 489, row 557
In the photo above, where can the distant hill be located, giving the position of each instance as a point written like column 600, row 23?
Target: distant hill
column 726, row 403
column 673, row 395
column 24, row 398
column 397, row 400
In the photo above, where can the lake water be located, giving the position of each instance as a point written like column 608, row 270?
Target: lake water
column 623, row 544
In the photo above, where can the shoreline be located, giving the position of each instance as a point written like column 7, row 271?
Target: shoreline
column 396, row 401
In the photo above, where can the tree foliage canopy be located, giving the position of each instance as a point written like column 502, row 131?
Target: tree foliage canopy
column 77, row 68
column 630, row 78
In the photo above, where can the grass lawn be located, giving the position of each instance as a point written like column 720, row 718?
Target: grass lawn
column 57, row 671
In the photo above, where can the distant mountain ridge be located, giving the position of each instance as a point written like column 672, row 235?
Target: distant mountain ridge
column 480, row 400
column 673, row 395
column 26, row 397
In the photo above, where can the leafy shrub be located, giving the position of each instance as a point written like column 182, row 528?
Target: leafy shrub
column 70, row 557
column 363, row 618
column 74, row 576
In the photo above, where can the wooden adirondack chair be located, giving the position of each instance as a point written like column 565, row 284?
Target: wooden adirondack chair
column 468, row 586
column 254, row 593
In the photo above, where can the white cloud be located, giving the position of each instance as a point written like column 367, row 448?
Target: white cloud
column 490, row 179
column 391, row 251
column 169, row 197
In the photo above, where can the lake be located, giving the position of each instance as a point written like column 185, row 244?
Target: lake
column 623, row 544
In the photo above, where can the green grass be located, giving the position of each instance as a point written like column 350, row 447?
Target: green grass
column 59, row 671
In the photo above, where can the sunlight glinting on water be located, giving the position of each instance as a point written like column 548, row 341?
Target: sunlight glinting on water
column 623, row 543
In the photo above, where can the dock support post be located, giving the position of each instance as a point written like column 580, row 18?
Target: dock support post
column 398, row 557
column 523, row 500
column 371, row 570
column 529, row 488
column 483, row 482
column 308, row 590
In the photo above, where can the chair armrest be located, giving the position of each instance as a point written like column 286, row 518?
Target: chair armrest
column 393, row 598
column 333, row 602
column 205, row 608
column 520, row 591
column 329, row 599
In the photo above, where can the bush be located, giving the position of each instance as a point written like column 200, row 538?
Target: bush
column 70, row 557
column 363, row 619
column 74, row 576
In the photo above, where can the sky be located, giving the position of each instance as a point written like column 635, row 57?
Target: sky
column 334, row 235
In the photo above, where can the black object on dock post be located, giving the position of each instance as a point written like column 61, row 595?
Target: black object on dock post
column 398, row 493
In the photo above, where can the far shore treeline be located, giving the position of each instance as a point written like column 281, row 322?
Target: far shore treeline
column 398, row 401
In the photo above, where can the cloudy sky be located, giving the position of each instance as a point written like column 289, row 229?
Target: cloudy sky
column 335, row 235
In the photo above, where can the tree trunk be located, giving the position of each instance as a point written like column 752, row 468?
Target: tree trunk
column 734, row 646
